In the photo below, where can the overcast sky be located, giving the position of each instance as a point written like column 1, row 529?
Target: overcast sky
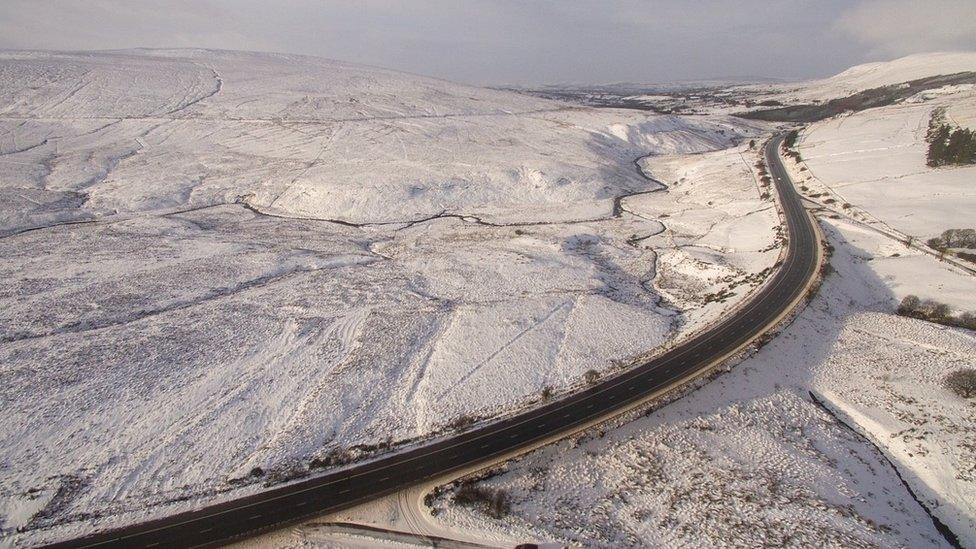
column 518, row 42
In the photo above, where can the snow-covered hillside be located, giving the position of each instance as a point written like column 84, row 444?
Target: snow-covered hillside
column 220, row 266
column 874, row 75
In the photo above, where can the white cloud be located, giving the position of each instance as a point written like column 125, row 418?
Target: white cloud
column 893, row 28
column 111, row 24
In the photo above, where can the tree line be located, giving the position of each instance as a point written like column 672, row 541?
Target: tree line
column 948, row 146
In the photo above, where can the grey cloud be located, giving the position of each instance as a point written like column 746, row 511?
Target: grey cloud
column 500, row 41
column 899, row 27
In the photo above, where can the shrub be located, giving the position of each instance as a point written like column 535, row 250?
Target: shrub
column 959, row 238
column 546, row 392
column 962, row 382
column 495, row 502
column 909, row 305
column 591, row 376
column 791, row 138
column 940, row 311
column 933, row 311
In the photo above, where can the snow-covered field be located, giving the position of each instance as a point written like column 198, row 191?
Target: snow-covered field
column 219, row 261
column 874, row 160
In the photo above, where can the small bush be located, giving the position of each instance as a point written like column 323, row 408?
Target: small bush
column 546, row 392
column 909, row 305
column 591, row 377
column 495, row 502
column 940, row 311
column 962, row 382
column 790, row 139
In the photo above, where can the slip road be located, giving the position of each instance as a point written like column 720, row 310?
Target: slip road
column 277, row 507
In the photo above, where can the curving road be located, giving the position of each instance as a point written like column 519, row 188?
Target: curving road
column 292, row 503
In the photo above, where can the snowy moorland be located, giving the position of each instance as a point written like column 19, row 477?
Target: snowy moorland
column 222, row 266
column 840, row 432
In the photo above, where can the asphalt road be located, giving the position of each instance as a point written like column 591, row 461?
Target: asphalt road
column 329, row 492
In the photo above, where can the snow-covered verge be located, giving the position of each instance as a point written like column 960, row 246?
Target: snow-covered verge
column 750, row 459
column 219, row 266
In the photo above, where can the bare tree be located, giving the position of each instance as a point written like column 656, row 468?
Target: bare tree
column 962, row 382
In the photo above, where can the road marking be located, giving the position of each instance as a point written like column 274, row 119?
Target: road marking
column 204, row 531
column 300, row 503
column 344, row 491
column 255, row 517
